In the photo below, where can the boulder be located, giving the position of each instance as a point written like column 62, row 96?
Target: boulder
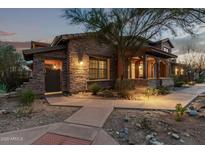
column 193, row 113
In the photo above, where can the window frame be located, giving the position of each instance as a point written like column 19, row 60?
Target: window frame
column 98, row 69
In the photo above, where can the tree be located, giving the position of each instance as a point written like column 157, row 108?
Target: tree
column 194, row 58
column 11, row 67
column 127, row 28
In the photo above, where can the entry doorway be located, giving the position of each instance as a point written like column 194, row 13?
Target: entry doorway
column 53, row 73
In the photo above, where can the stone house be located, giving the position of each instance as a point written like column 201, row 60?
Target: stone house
column 72, row 62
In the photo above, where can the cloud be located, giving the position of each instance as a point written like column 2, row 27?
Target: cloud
column 3, row 33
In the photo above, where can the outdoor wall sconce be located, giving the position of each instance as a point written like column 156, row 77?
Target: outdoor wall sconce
column 54, row 67
column 80, row 57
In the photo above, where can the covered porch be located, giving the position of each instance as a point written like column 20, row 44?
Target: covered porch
column 152, row 67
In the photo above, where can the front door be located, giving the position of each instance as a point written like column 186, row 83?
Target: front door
column 52, row 80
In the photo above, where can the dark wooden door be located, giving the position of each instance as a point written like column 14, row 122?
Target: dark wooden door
column 52, row 80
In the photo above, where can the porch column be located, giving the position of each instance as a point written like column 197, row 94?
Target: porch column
column 145, row 66
column 158, row 68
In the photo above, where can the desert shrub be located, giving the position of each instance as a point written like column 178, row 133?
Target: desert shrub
column 125, row 84
column 95, row 88
column 179, row 112
column 24, row 111
column 145, row 123
column 200, row 80
column 163, row 90
column 3, row 88
column 27, row 97
column 179, row 83
column 107, row 93
column 12, row 67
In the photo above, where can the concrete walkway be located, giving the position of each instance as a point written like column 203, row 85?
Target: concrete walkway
column 85, row 126
column 167, row 102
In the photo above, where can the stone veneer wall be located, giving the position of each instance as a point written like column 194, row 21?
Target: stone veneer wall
column 79, row 74
column 37, row 82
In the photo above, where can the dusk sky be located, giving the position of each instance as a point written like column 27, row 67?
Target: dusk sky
column 45, row 24
column 33, row 24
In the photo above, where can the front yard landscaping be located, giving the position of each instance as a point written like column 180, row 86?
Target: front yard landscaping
column 15, row 116
column 129, row 126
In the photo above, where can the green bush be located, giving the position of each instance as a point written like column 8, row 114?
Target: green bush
column 107, row 93
column 179, row 112
column 27, row 97
column 3, row 88
column 163, row 90
column 95, row 88
column 179, row 83
column 200, row 80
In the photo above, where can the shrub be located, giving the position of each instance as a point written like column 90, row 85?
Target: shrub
column 179, row 83
column 3, row 88
column 95, row 88
column 200, row 80
column 107, row 93
column 145, row 123
column 163, row 90
column 27, row 97
column 179, row 112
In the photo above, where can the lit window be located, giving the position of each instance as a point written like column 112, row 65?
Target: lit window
column 176, row 71
column 166, row 49
column 141, row 69
column 98, row 69
column 182, row 71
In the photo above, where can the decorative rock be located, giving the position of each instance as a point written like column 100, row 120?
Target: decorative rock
column 186, row 134
column 125, row 131
column 174, row 135
column 193, row 113
column 169, row 133
column 155, row 142
column 181, row 140
column 149, row 137
column 118, row 133
column 3, row 112
column 138, row 125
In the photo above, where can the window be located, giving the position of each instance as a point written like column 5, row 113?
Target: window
column 166, row 49
column 98, row 68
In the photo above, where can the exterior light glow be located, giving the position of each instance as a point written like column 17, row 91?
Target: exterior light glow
column 54, row 67
column 81, row 62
